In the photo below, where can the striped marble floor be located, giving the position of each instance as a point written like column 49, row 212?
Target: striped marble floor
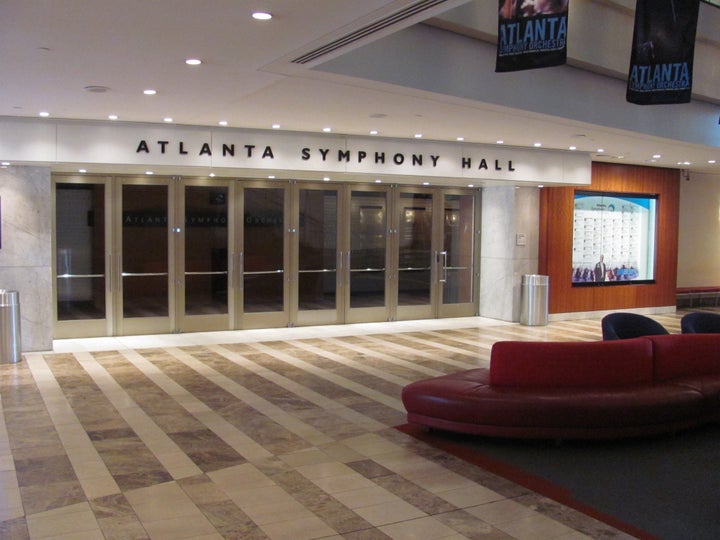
column 277, row 434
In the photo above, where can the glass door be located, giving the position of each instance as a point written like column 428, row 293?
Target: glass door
column 366, row 297
column 316, row 255
column 80, row 243
column 262, row 256
column 202, row 257
column 456, row 264
column 415, row 284
column 143, row 279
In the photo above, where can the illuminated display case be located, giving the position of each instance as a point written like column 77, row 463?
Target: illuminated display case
column 613, row 238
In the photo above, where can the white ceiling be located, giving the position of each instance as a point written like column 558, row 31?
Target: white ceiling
column 51, row 51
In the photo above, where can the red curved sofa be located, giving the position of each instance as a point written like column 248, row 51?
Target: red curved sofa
column 589, row 390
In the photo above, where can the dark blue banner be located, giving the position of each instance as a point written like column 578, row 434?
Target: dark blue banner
column 531, row 34
column 661, row 61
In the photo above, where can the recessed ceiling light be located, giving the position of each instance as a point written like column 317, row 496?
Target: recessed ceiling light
column 601, row 150
column 82, row 170
column 44, row 113
column 426, row 183
column 656, row 156
column 149, row 173
column 326, row 179
column 540, row 186
column 500, row 142
column 223, row 122
column 271, row 177
column 471, row 185
column 378, row 181
column 5, row 163
column 572, row 148
column 537, row 144
column 149, row 92
column 212, row 175
column 112, row 116
column 276, row 126
column 193, row 61
column 167, row 119
column 327, row 129
column 712, row 161
column 373, row 132
column 262, row 16
column 418, row 135
column 460, row 139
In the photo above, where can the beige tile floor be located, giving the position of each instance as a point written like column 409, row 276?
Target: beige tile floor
column 267, row 434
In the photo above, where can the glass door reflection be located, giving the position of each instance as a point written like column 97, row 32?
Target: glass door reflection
column 145, row 273
column 368, row 256
column 456, row 258
column 80, row 263
column 415, row 255
column 317, row 256
column 263, row 257
column 205, row 260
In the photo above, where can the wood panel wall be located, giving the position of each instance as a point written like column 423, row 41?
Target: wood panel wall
column 556, row 234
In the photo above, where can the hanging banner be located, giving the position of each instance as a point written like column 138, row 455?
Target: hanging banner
column 661, row 61
column 531, row 34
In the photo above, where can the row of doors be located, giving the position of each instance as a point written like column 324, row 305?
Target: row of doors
column 159, row 255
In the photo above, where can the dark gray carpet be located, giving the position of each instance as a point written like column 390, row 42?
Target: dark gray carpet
column 665, row 487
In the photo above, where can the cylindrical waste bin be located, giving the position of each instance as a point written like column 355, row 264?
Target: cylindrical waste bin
column 9, row 327
column 534, row 300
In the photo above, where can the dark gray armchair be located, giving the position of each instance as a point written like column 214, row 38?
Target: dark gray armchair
column 630, row 325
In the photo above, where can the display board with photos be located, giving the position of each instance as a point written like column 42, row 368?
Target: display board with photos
column 613, row 238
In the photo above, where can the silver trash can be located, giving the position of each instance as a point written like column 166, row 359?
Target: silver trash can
column 10, row 352
column 534, row 300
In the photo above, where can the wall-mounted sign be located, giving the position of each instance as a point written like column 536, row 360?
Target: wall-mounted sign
column 215, row 149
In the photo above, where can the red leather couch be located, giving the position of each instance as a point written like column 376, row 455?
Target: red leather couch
column 599, row 389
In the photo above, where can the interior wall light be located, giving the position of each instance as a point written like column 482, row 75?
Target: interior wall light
column 262, row 16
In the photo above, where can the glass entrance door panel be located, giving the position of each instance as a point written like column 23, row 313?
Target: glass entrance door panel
column 263, row 257
column 456, row 259
column 367, row 258
column 415, row 255
column 204, row 302
column 317, row 256
column 144, row 255
column 80, row 261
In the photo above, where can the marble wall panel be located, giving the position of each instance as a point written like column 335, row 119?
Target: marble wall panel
column 506, row 213
column 26, row 250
